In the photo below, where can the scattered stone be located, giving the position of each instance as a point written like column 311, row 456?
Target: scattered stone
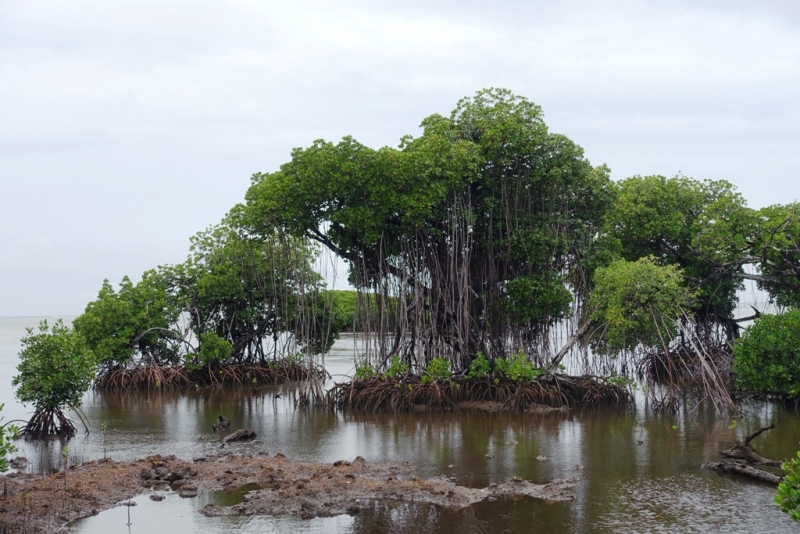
column 489, row 455
column 200, row 459
column 19, row 463
column 542, row 458
column 146, row 474
column 512, row 442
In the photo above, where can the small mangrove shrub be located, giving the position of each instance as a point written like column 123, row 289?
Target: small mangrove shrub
column 766, row 359
column 437, row 369
column 8, row 433
column 213, row 351
column 364, row 371
column 55, row 370
column 397, row 368
column 479, row 367
column 518, row 368
column 788, row 497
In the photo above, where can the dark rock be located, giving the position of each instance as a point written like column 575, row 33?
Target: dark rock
column 172, row 477
column 20, row 462
column 157, row 498
column 223, row 425
column 341, row 463
column 200, row 459
column 162, row 472
column 187, row 472
column 146, row 474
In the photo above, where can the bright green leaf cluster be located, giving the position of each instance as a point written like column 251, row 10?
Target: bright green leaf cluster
column 518, row 368
column 767, row 356
column 56, row 367
column 8, row 433
column 397, row 368
column 479, row 367
column 788, row 497
column 437, row 369
column 636, row 304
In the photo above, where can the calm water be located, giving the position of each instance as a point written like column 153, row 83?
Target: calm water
column 624, row 486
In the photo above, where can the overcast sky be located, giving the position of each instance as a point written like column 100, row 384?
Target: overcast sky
column 126, row 127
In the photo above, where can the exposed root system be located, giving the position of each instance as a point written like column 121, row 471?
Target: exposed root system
column 153, row 377
column 51, row 422
column 378, row 395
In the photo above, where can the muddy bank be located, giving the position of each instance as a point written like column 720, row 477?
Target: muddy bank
column 47, row 504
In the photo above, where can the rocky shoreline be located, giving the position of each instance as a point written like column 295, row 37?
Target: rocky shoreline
column 281, row 487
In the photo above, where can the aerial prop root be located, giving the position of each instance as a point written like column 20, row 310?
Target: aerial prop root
column 407, row 393
column 49, row 422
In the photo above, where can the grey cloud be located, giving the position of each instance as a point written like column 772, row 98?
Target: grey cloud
column 128, row 126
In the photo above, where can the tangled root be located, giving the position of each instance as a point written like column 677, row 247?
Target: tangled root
column 154, row 377
column 49, row 422
column 402, row 395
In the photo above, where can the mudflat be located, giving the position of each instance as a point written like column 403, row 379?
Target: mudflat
column 281, row 486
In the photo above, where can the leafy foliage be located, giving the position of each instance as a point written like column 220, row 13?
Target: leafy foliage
column 700, row 227
column 637, row 303
column 487, row 200
column 139, row 322
column 767, row 356
column 213, row 351
column 437, row 369
column 479, row 367
column 788, row 497
column 777, row 249
column 518, row 368
column 8, row 433
column 398, row 368
column 56, row 367
column 364, row 371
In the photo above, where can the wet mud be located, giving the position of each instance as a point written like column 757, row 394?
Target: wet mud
column 280, row 486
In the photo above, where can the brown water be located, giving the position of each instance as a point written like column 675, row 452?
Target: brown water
column 624, row 486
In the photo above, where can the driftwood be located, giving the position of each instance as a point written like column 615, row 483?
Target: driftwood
column 743, row 451
column 744, row 469
column 241, row 434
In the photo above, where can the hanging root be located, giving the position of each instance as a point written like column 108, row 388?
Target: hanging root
column 403, row 395
column 49, row 422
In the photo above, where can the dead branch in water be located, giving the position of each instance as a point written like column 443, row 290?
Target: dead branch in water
column 743, row 451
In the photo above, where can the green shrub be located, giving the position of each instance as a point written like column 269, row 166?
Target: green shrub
column 767, row 356
column 637, row 303
column 8, row 433
column 788, row 497
column 213, row 351
column 437, row 369
column 518, row 368
column 55, row 369
column 396, row 369
column 364, row 371
column 479, row 367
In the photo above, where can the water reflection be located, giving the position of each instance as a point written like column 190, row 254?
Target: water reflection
column 639, row 471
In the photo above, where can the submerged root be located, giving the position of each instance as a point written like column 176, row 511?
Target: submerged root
column 153, row 377
column 49, row 422
column 403, row 395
